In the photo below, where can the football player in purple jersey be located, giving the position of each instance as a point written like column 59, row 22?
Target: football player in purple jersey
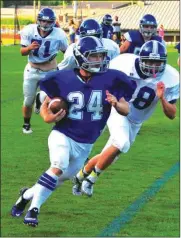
column 90, row 91
column 136, row 38
column 107, row 26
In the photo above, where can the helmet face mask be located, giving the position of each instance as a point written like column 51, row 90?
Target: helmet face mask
column 46, row 19
column 90, row 55
column 94, row 62
column 148, row 26
column 45, row 25
column 153, row 58
column 107, row 19
column 148, row 30
column 152, row 68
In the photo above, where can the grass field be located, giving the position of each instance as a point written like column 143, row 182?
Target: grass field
column 140, row 191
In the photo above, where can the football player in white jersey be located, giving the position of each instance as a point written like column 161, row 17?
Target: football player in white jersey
column 155, row 81
column 89, row 27
column 41, row 43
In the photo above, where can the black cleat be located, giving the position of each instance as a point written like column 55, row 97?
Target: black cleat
column 31, row 218
column 18, row 209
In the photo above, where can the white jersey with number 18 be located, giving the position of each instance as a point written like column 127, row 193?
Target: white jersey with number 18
column 144, row 100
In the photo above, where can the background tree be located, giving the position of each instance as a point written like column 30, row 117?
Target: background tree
column 10, row 3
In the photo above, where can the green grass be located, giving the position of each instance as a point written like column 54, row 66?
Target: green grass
column 24, row 158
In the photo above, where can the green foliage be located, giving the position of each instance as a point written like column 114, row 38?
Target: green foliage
column 21, row 21
column 7, row 21
column 54, row 3
column 48, row 3
column 17, row 2
column 9, row 3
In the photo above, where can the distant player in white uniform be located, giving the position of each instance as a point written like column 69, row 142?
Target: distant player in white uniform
column 41, row 42
column 155, row 81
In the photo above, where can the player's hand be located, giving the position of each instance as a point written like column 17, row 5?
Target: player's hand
column 34, row 45
column 160, row 90
column 50, row 117
column 59, row 115
column 111, row 98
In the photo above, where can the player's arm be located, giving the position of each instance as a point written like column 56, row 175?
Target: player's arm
column 178, row 61
column 67, row 63
column 63, row 43
column 124, row 47
column 121, row 106
column 25, row 50
column 47, row 115
column 169, row 109
column 26, row 38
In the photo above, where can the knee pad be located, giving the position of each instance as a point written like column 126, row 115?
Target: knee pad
column 28, row 101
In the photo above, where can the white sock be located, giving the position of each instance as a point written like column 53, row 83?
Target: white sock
column 82, row 174
column 98, row 171
column 43, row 189
column 94, row 174
column 42, row 96
column 29, row 193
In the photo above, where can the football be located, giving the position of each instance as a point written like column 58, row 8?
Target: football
column 56, row 104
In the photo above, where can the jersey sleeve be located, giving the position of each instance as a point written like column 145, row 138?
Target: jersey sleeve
column 127, row 36
column 125, row 87
column 25, row 35
column 69, row 61
column 50, row 84
column 63, row 42
column 163, row 42
column 116, row 51
column 172, row 93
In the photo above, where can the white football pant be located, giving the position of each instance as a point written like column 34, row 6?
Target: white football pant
column 122, row 131
column 30, row 83
column 66, row 154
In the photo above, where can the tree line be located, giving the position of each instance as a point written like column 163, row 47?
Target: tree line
column 9, row 3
